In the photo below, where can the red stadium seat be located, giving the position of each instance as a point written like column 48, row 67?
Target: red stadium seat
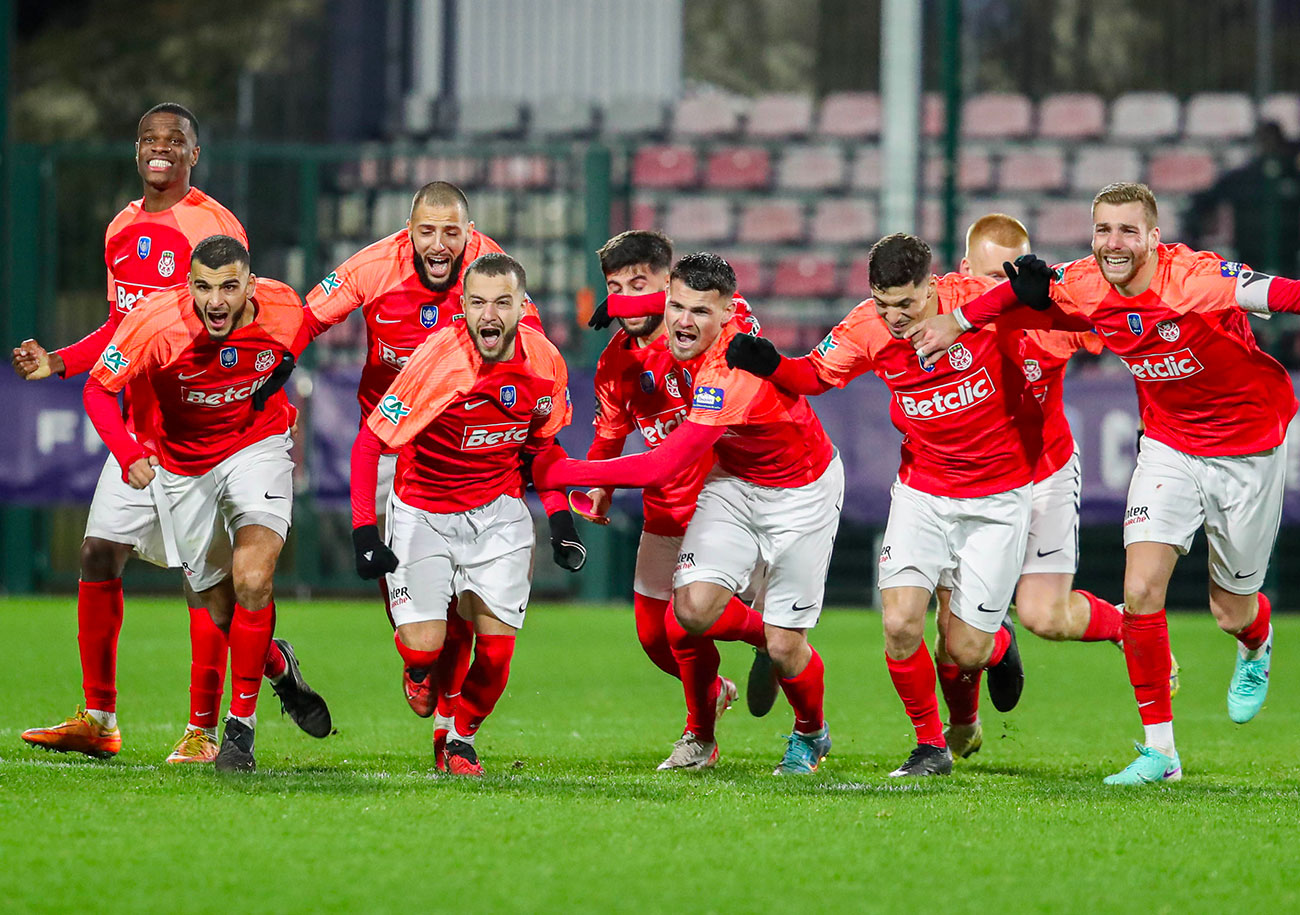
column 1144, row 116
column 1219, row 116
column 1097, row 166
column 644, row 215
column 771, row 222
column 850, row 116
column 665, row 166
column 711, row 115
column 780, row 116
column 1071, row 116
column 519, row 171
column 867, row 170
column 857, row 279
column 811, row 168
column 996, row 115
column 1284, row 108
column 1035, row 170
column 739, row 168
column 842, row 221
column 1180, row 171
column 785, row 333
column 805, row 276
column 974, row 171
column 751, row 278
column 1064, row 224
column 698, row 220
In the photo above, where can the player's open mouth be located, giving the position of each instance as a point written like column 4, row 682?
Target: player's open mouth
column 684, row 337
column 490, row 336
column 1116, row 262
column 218, row 320
column 438, row 265
column 159, row 165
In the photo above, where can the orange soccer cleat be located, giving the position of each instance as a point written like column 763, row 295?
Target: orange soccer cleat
column 195, row 746
column 460, row 758
column 421, row 695
column 77, row 734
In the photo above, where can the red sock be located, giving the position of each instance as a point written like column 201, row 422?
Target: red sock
column 250, row 640
column 1001, row 642
column 276, row 663
column 961, row 693
column 1105, row 621
column 413, row 658
column 99, row 620
column 651, row 632
column 698, row 661
column 1256, row 633
column 914, row 680
column 208, row 649
column 453, row 662
column 485, row 682
column 805, row 691
column 739, row 623
column 1146, row 652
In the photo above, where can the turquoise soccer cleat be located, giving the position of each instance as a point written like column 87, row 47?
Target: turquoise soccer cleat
column 1150, row 767
column 1249, row 685
column 804, row 752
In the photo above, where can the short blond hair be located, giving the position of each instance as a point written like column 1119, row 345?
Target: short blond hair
column 1129, row 192
column 999, row 228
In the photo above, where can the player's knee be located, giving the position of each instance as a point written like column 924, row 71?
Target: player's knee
column 253, row 587
column 902, row 635
column 1044, row 618
column 1142, row 595
column 693, row 615
column 970, row 655
column 102, row 560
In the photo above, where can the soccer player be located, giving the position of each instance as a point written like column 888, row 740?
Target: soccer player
column 774, row 496
column 1215, row 410
column 960, row 508
column 146, row 248
column 220, row 463
column 468, row 408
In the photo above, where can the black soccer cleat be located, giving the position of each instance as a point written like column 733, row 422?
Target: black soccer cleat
column 1006, row 679
column 298, row 700
column 925, row 760
column 236, row 753
column 761, row 689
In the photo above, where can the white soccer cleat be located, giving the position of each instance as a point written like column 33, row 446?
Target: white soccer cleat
column 690, row 753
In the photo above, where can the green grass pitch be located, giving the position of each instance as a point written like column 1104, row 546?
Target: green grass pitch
column 573, row 817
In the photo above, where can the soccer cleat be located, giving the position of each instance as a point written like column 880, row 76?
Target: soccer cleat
column 236, row 753
column 460, row 758
column 421, row 695
column 79, row 733
column 690, row 753
column 1006, row 679
column 925, row 760
column 964, row 740
column 761, row 689
column 441, row 727
column 804, row 752
column 1249, row 685
column 1173, row 675
column 195, row 746
column 727, row 694
column 1151, row 766
column 302, row 703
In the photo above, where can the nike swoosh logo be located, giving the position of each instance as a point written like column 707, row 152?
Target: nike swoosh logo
column 188, row 377
column 388, row 321
column 119, row 260
column 983, row 609
column 895, row 374
column 1041, row 554
column 1247, row 575
column 267, row 495
column 1107, row 333
column 247, row 695
column 797, row 609
column 1145, row 704
column 201, row 714
column 476, row 403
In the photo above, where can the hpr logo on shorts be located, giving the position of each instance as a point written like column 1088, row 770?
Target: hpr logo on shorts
column 1136, row 515
column 944, row 399
column 685, row 561
column 1164, row 366
column 884, row 554
column 493, row 435
column 398, row 596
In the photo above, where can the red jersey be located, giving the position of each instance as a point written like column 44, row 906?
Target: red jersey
column 461, row 423
column 971, row 426
column 1204, row 386
column 1043, row 357
column 203, row 386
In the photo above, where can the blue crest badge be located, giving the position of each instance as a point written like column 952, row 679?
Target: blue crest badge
column 143, row 245
column 647, row 382
column 690, row 382
column 428, row 315
column 1135, row 323
column 508, row 395
column 229, row 356
column 925, row 368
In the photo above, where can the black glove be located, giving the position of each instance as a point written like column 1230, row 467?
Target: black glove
column 756, row 355
column 1031, row 281
column 600, row 318
column 373, row 557
column 566, row 545
column 279, row 375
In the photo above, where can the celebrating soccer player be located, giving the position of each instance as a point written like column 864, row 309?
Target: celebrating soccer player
column 1215, row 410
column 774, row 496
column 467, row 409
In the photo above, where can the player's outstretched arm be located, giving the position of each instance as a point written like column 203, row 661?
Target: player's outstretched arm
column 101, row 407
column 758, row 356
column 81, row 356
column 627, row 306
column 686, row 444
column 373, row 557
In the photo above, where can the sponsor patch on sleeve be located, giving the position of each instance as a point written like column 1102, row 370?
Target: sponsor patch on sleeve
column 392, row 409
column 331, row 282
column 1230, row 268
column 707, row 398
column 114, row 359
column 828, row 343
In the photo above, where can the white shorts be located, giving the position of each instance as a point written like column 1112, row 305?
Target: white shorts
column 738, row 527
column 1237, row 499
column 252, row 486
column 1054, row 522
column 487, row 550
column 123, row 514
column 384, row 489
column 656, row 560
column 975, row 546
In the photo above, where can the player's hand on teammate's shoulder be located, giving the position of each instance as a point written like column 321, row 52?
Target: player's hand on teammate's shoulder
column 31, row 361
column 566, row 546
column 141, row 473
column 373, row 556
column 932, row 336
column 275, row 381
column 1030, row 278
column 756, row 355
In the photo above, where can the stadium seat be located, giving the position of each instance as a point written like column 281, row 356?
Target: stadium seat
column 711, row 115
column 857, row 279
column 780, row 116
column 1143, row 116
column 811, row 168
column 784, row 332
column 850, row 116
column 389, row 212
column 976, row 207
column 931, row 220
column 932, row 115
column 1097, row 166
column 370, row 172
column 739, row 168
column 1040, row 170
column 519, row 171
column 464, row 171
column 1180, row 171
column 771, row 222
column 751, row 278
column 805, row 276
column 841, row 221
column 1071, row 116
column 547, row 217
column 974, row 171
column 644, row 214
column 562, row 117
column 1065, row 224
column 698, row 220
column 866, row 171
column 1284, row 108
column 493, row 212
column 485, row 117
column 665, row 167
column 633, row 117
column 1219, row 116
column 996, row 115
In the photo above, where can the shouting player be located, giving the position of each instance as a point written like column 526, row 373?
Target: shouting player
column 146, row 248
column 1215, row 410
column 464, row 413
column 221, row 466
column 773, row 496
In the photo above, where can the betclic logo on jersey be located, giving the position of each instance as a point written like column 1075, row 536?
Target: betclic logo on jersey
column 1163, row 366
column 946, row 399
column 654, row 429
column 229, row 395
column 485, row 436
column 389, row 355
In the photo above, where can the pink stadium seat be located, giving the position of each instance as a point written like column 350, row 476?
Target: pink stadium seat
column 712, row 115
column 771, row 222
column 1035, row 170
column 857, row 279
column 805, row 276
column 932, row 115
column 1219, row 116
column 644, row 215
column 811, row 168
column 1065, row 224
column 751, row 278
column 519, row 172
column 996, row 115
column 785, row 334
column 850, row 116
column 1071, row 116
column 739, row 168
column 1283, row 107
column 1144, row 116
column 844, row 222
column 698, row 219
column 974, row 171
column 931, row 219
column 1180, row 171
column 1097, row 166
column 867, row 168
column 781, row 115
column 665, row 166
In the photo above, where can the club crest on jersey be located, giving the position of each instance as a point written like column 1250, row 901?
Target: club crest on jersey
column 392, row 409
column 544, row 407
column 647, row 382
column 959, row 357
column 265, row 359
column 229, row 356
column 690, row 382
column 428, row 315
column 1230, row 268
column 1135, row 323
column 1033, row 370
column 166, row 263
column 142, row 246
column 921, row 361
column 508, row 395
column 114, row 360
column 670, row 382
column 331, row 282
column 1167, row 330
column 707, row 398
